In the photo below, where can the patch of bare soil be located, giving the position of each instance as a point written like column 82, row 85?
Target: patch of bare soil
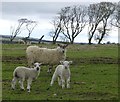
column 98, row 95
column 96, row 60
column 19, row 59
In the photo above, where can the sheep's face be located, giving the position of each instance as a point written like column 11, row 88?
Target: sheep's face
column 62, row 48
column 37, row 66
column 66, row 63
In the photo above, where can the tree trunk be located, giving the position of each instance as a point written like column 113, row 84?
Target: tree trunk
column 12, row 38
column 40, row 39
column 89, row 41
column 104, row 30
column 72, row 42
column 102, row 37
column 54, row 42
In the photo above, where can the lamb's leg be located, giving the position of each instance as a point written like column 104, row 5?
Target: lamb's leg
column 13, row 83
column 59, row 81
column 29, row 82
column 53, row 78
column 63, row 83
column 21, row 81
column 68, row 82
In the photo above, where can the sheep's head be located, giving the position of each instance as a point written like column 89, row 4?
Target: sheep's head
column 62, row 48
column 66, row 64
column 37, row 66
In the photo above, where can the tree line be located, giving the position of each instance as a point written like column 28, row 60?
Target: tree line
column 72, row 20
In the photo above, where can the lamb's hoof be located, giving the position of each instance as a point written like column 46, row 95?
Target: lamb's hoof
column 48, row 88
column 28, row 90
column 22, row 89
column 48, row 72
column 13, row 88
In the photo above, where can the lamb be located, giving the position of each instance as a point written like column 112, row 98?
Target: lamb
column 21, row 73
column 45, row 55
column 63, row 73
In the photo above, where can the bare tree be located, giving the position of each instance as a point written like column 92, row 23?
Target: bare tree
column 30, row 25
column 98, row 13
column 57, row 28
column 95, row 18
column 115, row 21
column 17, row 30
column 74, row 20
column 70, row 22
column 107, row 8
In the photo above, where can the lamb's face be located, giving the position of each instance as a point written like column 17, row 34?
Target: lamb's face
column 37, row 66
column 66, row 63
column 62, row 48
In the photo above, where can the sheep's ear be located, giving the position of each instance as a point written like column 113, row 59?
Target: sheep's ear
column 66, row 45
column 70, row 62
column 61, row 62
column 59, row 45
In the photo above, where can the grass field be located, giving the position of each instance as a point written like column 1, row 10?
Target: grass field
column 94, row 74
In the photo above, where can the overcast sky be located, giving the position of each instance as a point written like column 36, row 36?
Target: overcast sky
column 43, row 12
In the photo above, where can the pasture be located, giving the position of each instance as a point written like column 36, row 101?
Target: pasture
column 94, row 74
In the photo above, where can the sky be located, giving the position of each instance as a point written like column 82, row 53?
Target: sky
column 43, row 12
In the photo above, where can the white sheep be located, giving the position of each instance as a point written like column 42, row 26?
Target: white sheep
column 63, row 73
column 21, row 73
column 20, row 41
column 46, row 56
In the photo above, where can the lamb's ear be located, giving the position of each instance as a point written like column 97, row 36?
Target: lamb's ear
column 70, row 62
column 61, row 62
column 34, row 64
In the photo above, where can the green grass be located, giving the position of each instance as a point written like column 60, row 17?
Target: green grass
column 89, row 80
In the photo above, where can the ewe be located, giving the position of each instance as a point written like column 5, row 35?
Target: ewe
column 22, row 73
column 45, row 55
column 63, row 74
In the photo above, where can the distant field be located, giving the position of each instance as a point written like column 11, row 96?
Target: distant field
column 94, row 74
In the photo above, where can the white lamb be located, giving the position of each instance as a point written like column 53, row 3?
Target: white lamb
column 46, row 56
column 21, row 73
column 63, row 74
